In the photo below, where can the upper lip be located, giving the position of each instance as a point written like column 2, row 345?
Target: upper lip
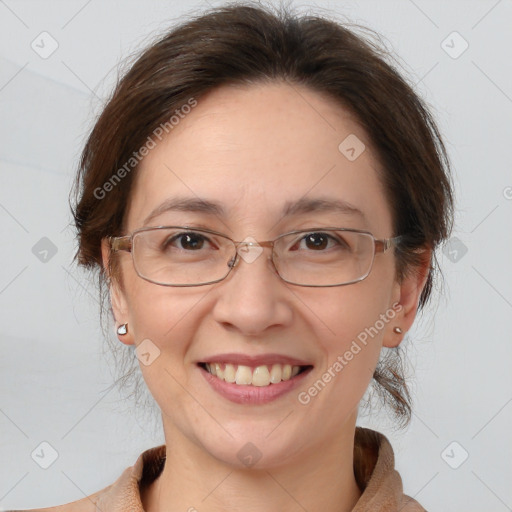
column 254, row 361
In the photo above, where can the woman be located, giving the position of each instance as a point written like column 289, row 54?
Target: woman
column 263, row 195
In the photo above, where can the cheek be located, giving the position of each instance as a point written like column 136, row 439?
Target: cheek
column 349, row 311
column 349, row 332
column 163, row 326
column 354, row 319
column 160, row 322
column 157, row 312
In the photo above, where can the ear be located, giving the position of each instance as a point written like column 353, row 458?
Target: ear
column 117, row 297
column 406, row 299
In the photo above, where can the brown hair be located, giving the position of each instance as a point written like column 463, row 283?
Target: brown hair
column 244, row 43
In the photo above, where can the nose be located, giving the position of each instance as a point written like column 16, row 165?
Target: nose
column 253, row 298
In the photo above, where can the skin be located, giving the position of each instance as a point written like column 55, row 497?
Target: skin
column 252, row 148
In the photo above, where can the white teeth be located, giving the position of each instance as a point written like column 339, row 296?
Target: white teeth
column 212, row 369
column 229, row 373
column 260, row 376
column 219, row 372
column 275, row 373
column 243, row 375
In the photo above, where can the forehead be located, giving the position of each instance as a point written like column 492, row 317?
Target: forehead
column 256, row 148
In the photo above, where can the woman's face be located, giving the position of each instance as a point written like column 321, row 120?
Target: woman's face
column 253, row 150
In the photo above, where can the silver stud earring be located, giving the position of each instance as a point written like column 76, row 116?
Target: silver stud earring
column 397, row 330
column 122, row 329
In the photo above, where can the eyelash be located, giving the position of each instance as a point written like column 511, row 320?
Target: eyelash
column 202, row 237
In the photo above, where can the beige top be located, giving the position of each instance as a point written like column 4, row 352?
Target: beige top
column 374, row 469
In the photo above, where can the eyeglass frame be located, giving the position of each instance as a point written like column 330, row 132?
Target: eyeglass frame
column 380, row 245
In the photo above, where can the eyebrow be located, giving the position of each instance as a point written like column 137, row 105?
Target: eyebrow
column 291, row 208
column 304, row 205
column 186, row 204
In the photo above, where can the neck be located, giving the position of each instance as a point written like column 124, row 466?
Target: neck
column 191, row 480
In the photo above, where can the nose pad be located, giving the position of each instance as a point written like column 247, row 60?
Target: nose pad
column 233, row 261
column 249, row 250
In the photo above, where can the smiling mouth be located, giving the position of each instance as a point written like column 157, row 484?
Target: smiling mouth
column 260, row 376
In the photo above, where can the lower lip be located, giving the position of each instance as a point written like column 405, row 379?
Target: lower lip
column 253, row 394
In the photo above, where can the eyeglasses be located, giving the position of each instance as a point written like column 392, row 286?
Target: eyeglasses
column 185, row 256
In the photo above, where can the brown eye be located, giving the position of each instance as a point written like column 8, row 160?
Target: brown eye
column 192, row 241
column 320, row 242
column 316, row 241
column 187, row 241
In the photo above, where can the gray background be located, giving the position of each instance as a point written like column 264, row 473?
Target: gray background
column 54, row 377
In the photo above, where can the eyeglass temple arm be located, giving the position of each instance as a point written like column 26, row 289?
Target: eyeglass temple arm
column 386, row 243
column 120, row 243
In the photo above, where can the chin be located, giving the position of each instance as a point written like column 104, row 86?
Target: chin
column 252, row 450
